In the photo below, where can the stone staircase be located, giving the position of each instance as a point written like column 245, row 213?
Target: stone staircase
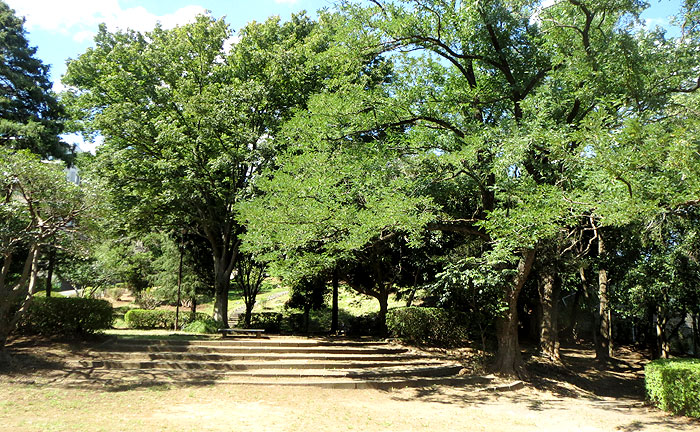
column 270, row 361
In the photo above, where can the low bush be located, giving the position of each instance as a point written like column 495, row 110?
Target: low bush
column 159, row 319
column 294, row 321
column 147, row 300
column 674, row 385
column 368, row 324
column 271, row 322
column 426, row 326
column 202, row 325
column 62, row 316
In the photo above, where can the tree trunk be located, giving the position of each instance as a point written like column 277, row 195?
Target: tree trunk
column 334, row 306
column 603, row 346
column 179, row 290
column 49, row 271
column 549, row 289
column 248, row 312
column 383, row 299
column 411, row 296
column 662, row 340
column 222, row 283
column 695, row 335
column 574, row 315
column 508, row 359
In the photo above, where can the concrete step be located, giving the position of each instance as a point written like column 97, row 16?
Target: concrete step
column 273, row 361
column 225, row 349
column 243, row 365
column 438, row 370
column 240, row 356
column 273, row 341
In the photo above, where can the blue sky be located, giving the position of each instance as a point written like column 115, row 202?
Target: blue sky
column 63, row 29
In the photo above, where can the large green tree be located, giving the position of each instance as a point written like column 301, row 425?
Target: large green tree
column 525, row 120
column 188, row 124
column 30, row 116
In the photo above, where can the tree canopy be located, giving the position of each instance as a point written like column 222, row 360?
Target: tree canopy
column 30, row 116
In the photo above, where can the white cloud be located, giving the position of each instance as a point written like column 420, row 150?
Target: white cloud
column 79, row 141
column 58, row 86
column 81, row 17
column 84, row 35
column 654, row 22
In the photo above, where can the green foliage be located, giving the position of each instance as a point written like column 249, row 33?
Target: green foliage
column 674, row 385
column 202, row 325
column 426, row 326
column 368, row 324
column 188, row 125
column 147, row 299
column 271, row 322
column 38, row 207
column 473, row 287
column 160, row 319
column 67, row 316
column 30, row 116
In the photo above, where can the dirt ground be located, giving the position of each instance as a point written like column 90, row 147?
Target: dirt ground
column 577, row 396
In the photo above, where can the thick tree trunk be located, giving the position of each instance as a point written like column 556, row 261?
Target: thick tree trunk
column 383, row 299
column 334, row 306
column 508, row 359
column 222, row 283
column 549, row 289
column 248, row 312
column 603, row 342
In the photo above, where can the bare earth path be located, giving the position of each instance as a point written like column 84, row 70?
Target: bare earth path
column 241, row 408
column 580, row 399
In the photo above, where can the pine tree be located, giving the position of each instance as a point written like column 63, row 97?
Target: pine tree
column 30, row 115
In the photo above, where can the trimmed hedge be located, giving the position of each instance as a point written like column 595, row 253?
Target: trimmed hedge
column 425, row 326
column 674, row 385
column 270, row 321
column 160, row 319
column 63, row 316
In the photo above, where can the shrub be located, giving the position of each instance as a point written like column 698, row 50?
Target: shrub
column 114, row 292
column 368, row 324
column 425, row 326
column 674, row 385
column 202, row 325
column 147, row 300
column 270, row 321
column 295, row 322
column 159, row 319
column 64, row 316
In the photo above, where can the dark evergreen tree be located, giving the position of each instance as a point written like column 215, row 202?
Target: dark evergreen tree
column 30, row 115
